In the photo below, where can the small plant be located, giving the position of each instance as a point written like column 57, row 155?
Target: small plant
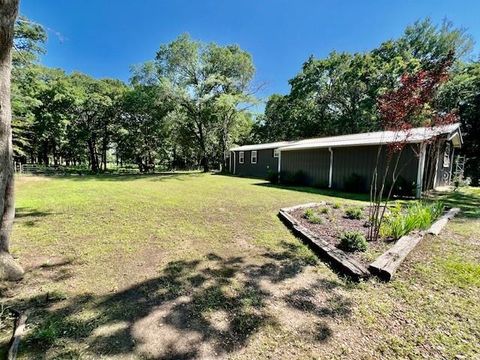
column 353, row 241
column 324, row 210
column 418, row 215
column 312, row 217
column 336, row 205
column 354, row 213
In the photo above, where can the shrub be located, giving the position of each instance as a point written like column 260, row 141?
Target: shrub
column 321, row 184
column 354, row 213
column 324, row 210
column 403, row 188
column 312, row 216
column 418, row 215
column 354, row 183
column 272, row 176
column 300, row 178
column 353, row 241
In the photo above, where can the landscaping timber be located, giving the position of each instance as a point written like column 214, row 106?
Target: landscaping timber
column 336, row 257
column 387, row 264
column 438, row 225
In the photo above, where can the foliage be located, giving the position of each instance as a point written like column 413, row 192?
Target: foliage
column 339, row 94
column 272, row 176
column 418, row 215
column 354, row 213
column 355, row 183
column 353, row 241
column 312, row 216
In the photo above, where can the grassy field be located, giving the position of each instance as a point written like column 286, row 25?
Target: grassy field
column 199, row 266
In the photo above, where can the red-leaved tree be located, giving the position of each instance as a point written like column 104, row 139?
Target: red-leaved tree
column 408, row 106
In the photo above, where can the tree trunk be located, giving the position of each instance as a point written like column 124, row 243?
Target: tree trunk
column 9, row 268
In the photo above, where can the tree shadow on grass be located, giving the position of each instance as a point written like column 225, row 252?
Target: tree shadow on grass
column 159, row 176
column 30, row 217
column 204, row 308
column 467, row 201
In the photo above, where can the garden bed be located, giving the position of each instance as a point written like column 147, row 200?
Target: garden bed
column 339, row 232
column 335, row 223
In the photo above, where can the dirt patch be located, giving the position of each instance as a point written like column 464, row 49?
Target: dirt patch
column 334, row 222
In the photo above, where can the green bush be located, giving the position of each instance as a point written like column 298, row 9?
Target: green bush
column 353, row 241
column 336, row 205
column 354, row 213
column 324, row 210
column 312, row 217
column 418, row 215
column 354, row 183
column 298, row 178
column 272, row 176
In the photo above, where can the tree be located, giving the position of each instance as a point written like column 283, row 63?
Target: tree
column 144, row 126
column 338, row 94
column 407, row 106
column 9, row 268
column 198, row 74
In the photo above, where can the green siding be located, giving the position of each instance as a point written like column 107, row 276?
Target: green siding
column 360, row 160
column 315, row 163
column 265, row 163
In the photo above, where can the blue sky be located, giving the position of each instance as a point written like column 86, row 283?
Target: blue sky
column 104, row 37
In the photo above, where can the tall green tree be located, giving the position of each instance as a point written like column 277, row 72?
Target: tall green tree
column 198, row 75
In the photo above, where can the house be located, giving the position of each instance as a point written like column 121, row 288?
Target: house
column 339, row 162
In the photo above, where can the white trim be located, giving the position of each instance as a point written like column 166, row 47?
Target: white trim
column 252, row 157
column 234, row 162
column 452, row 159
column 330, row 171
column 420, row 170
column 279, row 163
column 241, row 159
column 436, row 169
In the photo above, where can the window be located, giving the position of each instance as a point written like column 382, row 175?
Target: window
column 253, row 157
column 446, row 156
column 241, row 157
column 276, row 153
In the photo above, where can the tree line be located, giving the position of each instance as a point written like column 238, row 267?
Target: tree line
column 188, row 105
column 183, row 109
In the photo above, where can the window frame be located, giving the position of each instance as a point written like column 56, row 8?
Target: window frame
column 241, row 157
column 252, row 157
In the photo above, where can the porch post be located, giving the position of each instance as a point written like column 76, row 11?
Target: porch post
column 420, row 170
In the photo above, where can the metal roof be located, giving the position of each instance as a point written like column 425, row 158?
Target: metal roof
column 415, row 135
column 274, row 145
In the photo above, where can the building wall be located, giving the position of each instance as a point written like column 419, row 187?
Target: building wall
column 315, row 163
column 265, row 163
column 359, row 160
column 444, row 173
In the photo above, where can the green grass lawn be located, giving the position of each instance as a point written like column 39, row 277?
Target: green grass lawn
column 199, row 266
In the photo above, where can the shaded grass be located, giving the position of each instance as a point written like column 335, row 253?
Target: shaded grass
column 196, row 265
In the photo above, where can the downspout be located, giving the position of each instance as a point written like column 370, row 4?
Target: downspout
column 330, row 173
column 230, row 162
column 420, row 170
column 234, row 163
column 279, row 163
